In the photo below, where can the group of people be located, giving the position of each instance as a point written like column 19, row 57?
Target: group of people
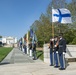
column 22, row 47
column 32, row 48
column 57, row 52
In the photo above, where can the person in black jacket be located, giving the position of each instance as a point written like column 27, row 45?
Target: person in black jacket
column 56, row 62
column 62, row 51
column 30, row 46
column 51, row 52
column 24, row 46
column 34, row 50
column 21, row 45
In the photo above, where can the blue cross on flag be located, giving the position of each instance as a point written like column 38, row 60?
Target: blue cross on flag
column 61, row 15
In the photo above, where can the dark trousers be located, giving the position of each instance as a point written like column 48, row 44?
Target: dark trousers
column 34, row 54
column 56, row 63
column 51, row 58
column 62, row 60
column 21, row 48
column 25, row 50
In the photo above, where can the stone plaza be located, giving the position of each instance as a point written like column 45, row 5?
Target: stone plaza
column 18, row 63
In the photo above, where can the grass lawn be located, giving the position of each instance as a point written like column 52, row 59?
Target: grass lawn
column 39, row 54
column 4, row 51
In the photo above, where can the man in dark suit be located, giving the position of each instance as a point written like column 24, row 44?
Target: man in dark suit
column 62, row 51
column 21, row 45
column 30, row 46
column 51, row 52
column 34, row 50
column 24, row 46
column 56, row 62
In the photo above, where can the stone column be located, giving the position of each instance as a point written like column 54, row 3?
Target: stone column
column 46, row 53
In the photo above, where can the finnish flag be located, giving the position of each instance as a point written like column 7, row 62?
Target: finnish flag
column 61, row 15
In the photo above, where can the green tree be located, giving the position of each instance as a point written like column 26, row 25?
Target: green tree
column 43, row 26
column 72, row 7
column 0, row 36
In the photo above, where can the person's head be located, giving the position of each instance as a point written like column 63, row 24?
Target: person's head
column 52, row 39
column 55, row 38
column 61, row 36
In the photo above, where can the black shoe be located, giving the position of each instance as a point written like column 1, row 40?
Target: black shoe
column 61, row 68
column 51, row 65
column 34, row 59
column 56, row 66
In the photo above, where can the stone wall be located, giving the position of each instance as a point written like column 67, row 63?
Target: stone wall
column 70, row 53
column 46, row 53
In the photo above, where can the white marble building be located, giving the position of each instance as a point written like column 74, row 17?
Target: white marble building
column 9, row 40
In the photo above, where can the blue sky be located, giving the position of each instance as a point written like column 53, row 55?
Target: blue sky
column 16, row 16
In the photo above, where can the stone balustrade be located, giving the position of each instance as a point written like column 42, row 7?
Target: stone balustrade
column 70, row 53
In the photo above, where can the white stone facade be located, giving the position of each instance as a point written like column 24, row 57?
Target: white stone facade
column 9, row 40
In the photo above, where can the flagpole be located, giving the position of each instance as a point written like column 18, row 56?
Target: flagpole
column 52, row 26
column 52, row 29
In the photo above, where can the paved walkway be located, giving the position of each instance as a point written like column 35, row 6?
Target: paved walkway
column 17, row 56
column 17, row 63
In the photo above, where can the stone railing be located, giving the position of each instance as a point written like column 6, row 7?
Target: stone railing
column 70, row 52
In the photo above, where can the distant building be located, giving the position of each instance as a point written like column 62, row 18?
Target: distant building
column 9, row 40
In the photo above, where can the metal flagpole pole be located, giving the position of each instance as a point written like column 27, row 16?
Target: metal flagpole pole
column 52, row 28
column 53, row 36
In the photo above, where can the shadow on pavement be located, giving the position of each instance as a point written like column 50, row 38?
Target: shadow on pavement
column 39, row 53
column 5, row 63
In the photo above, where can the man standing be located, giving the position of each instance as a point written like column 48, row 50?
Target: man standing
column 30, row 48
column 21, row 45
column 56, row 63
column 62, row 51
column 51, row 52
column 34, row 50
column 24, row 46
